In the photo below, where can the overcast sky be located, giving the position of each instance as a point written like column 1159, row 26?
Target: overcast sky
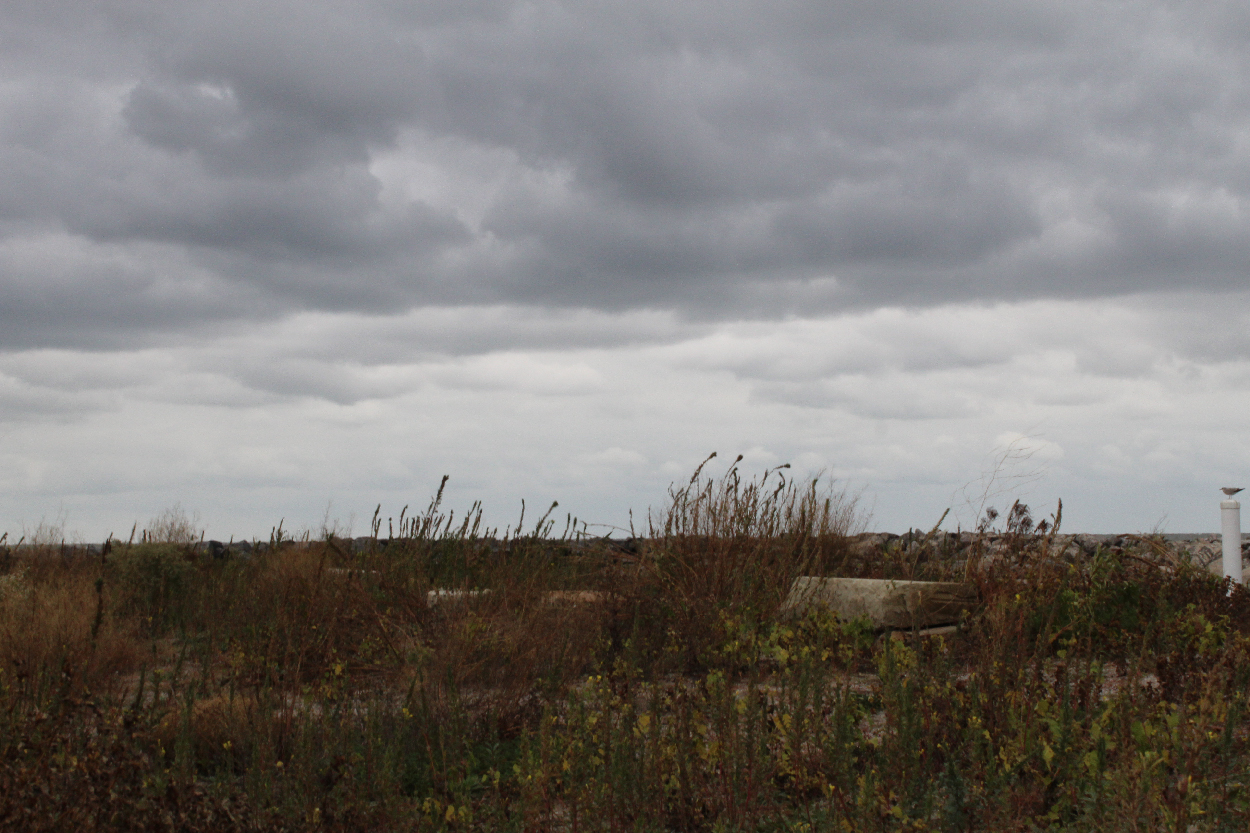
column 290, row 260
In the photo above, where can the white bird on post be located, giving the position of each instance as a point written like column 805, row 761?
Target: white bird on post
column 1230, row 491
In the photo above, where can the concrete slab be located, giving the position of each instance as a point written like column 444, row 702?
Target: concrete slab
column 887, row 603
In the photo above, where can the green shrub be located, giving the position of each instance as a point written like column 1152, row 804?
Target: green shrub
column 154, row 582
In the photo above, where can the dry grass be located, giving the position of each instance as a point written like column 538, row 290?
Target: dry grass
column 564, row 683
column 728, row 546
column 56, row 629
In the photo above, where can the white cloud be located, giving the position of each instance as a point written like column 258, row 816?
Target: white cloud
column 614, row 456
column 263, row 254
column 253, row 427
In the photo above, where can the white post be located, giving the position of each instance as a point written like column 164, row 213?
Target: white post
column 1230, row 526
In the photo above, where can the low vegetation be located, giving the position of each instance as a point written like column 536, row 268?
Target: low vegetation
column 447, row 677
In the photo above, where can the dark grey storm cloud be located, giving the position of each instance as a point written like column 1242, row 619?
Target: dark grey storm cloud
column 172, row 165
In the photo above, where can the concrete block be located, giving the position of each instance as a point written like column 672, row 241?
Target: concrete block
column 887, row 603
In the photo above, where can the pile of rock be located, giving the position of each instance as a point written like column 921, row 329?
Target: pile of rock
column 866, row 552
column 958, row 547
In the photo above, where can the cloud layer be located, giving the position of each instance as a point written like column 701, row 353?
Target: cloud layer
column 1127, row 410
column 280, row 248
column 178, row 163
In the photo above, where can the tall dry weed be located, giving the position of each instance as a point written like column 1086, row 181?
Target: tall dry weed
column 290, row 615
column 174, row 525
column 58, row 633
column 731, row 548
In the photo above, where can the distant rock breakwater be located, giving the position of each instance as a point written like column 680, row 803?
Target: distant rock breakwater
column 1202, row 549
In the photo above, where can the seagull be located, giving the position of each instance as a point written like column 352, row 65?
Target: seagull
column 1229, row 490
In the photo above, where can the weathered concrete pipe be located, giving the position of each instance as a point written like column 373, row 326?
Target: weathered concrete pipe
column 1230, row 527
